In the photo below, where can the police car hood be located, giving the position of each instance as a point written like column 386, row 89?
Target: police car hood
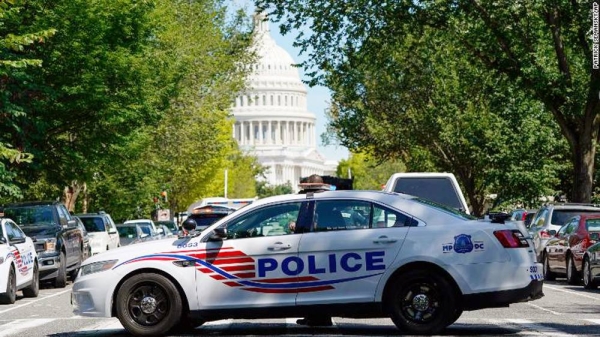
column 137, row 249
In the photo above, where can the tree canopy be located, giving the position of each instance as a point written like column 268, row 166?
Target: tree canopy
column 131, row 99
column 491, row 80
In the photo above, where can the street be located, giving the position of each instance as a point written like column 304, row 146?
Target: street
column 564, row 311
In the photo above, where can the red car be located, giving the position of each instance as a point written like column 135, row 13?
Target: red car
column 564, row 252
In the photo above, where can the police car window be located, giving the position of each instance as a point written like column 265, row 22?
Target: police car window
column 267, row 221
column 331, row 215
column 17, row 233
column 385, row 217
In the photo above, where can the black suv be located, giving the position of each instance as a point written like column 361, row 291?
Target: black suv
column 58, row 240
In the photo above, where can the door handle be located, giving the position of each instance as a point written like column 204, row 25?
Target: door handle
column 280, row 246
column 384, row 239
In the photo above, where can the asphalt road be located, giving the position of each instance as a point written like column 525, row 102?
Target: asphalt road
column 564, row 311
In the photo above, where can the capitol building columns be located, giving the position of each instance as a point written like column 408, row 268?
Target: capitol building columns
column 271, row 118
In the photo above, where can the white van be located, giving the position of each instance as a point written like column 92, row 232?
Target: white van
column 440, row 187
column 101, row 230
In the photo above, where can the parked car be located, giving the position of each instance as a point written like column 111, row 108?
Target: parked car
column 552, row 217
column 148, row 227
column 87, row 246
column 102, row 231
column 422, row 270
column 19, row 269
column 207, row 215
column 131, row 234
column 525, row 215
column 591, row 263
column 58, row 241
column 171, row 225
column 564, row 252
column 166, row 231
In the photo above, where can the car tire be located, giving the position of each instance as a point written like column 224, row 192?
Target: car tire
column 588, row 282
column 61, row 279
column 34, row 289
column 423, row 302
column 10, row 296
column 162, row 303
column 572, row 274
column 548, row 275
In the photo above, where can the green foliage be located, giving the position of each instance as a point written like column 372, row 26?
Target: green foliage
column 263, row 190
column 479, row 89
column 368, row 173
column 132, row 99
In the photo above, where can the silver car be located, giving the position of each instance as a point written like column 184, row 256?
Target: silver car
column 548, row 220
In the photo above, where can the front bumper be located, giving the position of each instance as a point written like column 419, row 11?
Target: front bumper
column 49, row 263
column 91, row 295
column 503, row 298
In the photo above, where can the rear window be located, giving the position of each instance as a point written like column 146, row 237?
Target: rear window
column 593, row 225
column 560, row 216
column 439, row 190
column 205, row 220
column 93, row 224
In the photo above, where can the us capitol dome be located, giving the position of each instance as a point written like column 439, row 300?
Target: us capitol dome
column 271, row 117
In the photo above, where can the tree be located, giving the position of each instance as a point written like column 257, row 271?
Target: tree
column 12, row 79
column 540, row 48
column 368, row 173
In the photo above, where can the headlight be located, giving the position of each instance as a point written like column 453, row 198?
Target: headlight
column 50, row 245
column 97, row 267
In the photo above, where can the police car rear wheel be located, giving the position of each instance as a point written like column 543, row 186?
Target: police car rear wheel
column 148, row 305
column 10, row 296
column 423, row 302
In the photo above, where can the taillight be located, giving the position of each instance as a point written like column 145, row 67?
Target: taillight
column 544, row 234
column 511, row 238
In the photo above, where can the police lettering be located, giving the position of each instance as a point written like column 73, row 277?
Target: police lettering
column 349, row 262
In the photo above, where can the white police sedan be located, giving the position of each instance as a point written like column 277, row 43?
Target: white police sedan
column 414, row 261
column 18, row 263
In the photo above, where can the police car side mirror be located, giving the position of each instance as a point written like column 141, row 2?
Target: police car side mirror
column 189, row 224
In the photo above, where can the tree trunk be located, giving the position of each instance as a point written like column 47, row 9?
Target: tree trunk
column 71, row 193
column 584, row 153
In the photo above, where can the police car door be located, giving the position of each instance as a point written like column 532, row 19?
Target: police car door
column 22, row 252
column 254, row 265
column 350, row 246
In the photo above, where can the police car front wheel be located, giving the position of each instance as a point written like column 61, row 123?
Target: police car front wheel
column 148, row 305
column 423, row 302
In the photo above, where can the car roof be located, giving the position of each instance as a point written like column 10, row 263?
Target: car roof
column 575, row 206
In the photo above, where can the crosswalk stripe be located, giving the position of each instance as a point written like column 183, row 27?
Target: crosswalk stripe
column 19, row 325
column 593, row 320
column 543, row 330
column 105, row 324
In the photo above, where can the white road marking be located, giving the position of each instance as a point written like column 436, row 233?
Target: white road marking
column 572, row 292
column 592, row 320
column 19, row 325
column 105, row 324
column 538, row 328
column 33, row 301
column 542, row 308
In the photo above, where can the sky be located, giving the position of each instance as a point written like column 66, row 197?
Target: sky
column 318, row 98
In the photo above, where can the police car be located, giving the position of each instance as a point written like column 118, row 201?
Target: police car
column 18, row 263
column 417, row 262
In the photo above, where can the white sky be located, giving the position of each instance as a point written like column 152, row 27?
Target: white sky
column 318, row 97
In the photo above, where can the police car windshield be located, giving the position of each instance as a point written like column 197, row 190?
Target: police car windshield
column 448, row 210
